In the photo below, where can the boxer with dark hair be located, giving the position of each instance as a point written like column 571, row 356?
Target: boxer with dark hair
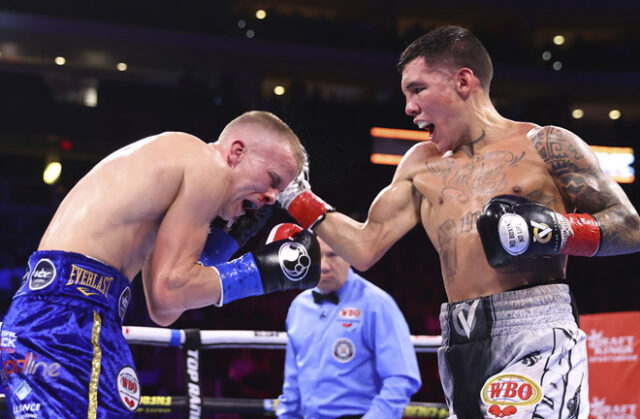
column 498, row 199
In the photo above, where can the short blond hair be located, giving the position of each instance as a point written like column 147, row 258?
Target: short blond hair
column 271, row 122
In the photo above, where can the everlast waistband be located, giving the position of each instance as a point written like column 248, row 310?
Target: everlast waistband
column 59, row 273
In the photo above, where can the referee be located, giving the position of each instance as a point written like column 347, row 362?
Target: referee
column 349, row 353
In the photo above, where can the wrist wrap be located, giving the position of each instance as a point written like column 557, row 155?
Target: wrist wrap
column 239, row 278
column 218, row 248
column 308, row 209
column 585, row 239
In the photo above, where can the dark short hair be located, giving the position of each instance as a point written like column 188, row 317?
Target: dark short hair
column 451, row 47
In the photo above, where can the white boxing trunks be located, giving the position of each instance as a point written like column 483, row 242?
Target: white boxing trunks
column 517, row 354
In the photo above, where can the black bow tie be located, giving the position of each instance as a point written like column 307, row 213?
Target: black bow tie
column 332, row 297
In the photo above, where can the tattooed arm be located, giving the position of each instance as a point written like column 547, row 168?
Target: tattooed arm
column 585, row 187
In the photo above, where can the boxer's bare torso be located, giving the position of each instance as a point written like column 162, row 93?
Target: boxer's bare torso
column 114, row 212
column 454, row 187
column 147, row 208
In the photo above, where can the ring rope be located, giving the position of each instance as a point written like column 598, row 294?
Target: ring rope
column 211, row 339
column 263, row 339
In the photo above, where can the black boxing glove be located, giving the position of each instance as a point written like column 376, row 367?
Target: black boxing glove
column 291, row 263
column 223, row 242
column 513, row 227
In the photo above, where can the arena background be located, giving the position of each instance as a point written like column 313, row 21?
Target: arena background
column 194, row 65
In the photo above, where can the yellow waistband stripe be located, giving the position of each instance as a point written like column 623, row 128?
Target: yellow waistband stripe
column 95, row 366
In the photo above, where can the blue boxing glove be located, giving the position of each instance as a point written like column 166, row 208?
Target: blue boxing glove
column 222, row 243
column 292, row 261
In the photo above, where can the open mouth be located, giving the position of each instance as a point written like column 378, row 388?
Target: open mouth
column 424, row 125
column 430, row 128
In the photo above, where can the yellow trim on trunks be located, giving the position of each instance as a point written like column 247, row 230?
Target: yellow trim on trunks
column 95, row 366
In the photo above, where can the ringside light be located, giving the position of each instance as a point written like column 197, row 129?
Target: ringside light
column 52, row 172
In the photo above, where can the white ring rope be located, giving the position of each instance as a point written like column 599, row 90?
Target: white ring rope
column 158, row 336
column 239, row 338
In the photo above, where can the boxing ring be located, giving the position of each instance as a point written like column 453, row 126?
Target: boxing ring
column 194, row 404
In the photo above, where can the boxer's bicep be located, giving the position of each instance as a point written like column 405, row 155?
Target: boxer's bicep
column 181, row 237
column 394, row 212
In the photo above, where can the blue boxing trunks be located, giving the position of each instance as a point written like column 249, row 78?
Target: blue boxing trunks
column 516, row 354
column 63, row 353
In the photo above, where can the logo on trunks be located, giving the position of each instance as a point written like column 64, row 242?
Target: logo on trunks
column 504, row 393
column 128, row 388
column 23, row 390
column 8, row 341
column 43, row 274
column 123, row 303
column 294, row 260
column 514, row 234
column 88, row 282
column 464, row 323
column 27, row 410
column 343, row 350
column 29, row 365
column 531, row 359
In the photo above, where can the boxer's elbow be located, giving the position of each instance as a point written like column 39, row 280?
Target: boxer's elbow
column 160, row 308
column 364, row 260
column 164, row 300
column 162, row 318
column 363, row 265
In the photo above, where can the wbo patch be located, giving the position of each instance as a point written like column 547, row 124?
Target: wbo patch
column 505, row 394
column 343, row 350
column 129, row 388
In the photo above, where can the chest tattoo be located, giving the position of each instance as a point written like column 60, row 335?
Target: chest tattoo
column 462, row 178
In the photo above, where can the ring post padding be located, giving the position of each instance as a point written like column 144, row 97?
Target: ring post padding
column 191, row 355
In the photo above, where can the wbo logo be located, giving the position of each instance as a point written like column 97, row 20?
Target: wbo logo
column 350, row 313
column 511, row 391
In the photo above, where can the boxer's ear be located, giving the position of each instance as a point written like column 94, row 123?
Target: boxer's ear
column 237, row 151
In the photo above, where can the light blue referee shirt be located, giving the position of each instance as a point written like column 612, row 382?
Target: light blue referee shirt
column 352, row 358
